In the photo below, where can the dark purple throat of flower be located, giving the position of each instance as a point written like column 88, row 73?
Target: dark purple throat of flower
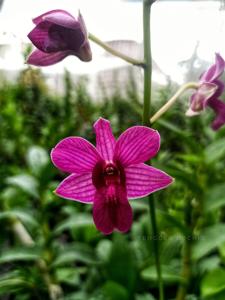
column 111, row 209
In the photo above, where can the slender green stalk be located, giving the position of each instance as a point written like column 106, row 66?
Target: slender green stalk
column 186, row 257
column 148, row 62
column 171, row 101
column 114, row 52
column 146, row 122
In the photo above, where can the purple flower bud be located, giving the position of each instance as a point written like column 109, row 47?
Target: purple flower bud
column 58, row 34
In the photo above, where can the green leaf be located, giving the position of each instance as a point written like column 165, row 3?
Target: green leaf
column 68, row 275
column 78, row 252
column 76, row 296
column 169, row 274
column 215, row 151
column 215, row 197
column 121, row 265
column 210, row 238
column 8, row 286
column 209, row 263
column 25, row 182
column 173, row 220
column 144, row 297
column 76, row 221
column 19, row 254
column 37, row 159
column 172, row 127
column 25, row 217
column 114, row 291
column 213, row 282
column 103, row 249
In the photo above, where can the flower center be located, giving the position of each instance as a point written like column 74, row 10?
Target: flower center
column 107, row 174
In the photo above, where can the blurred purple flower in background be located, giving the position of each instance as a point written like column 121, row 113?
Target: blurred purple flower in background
column 210, row 88
column 111, row 173
column 58, row 34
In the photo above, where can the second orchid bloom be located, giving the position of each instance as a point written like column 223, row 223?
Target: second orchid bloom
column 56, row 35
column 110, row 173
column 208, row 93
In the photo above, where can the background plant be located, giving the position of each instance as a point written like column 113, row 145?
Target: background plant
column 85, row 264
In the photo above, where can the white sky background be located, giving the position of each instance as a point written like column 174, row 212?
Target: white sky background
column 176, row 28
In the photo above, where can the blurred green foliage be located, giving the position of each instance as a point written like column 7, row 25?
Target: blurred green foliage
column 68, row 252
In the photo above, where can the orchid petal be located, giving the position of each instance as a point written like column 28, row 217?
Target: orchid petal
column 77, row 187
column 59, row 17
column 75, row 155
column 39, row 36
column 105, row 140
column 83, row 25
column 41, row 59
column 215, row 71
column 219, row 108
column 142, row 180
column 84, row 52
column 191, row 113
column 109, row 215
column 199, row 99
column 49, row 38
column 136, row 145
column 220, row 88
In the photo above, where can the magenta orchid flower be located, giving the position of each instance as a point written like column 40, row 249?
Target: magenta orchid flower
column 110, row 173
column 56, row 35
column 210, row 88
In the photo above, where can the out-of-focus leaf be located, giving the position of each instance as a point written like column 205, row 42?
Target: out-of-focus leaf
column 19, row 254
column 12, row 282
column 121, row 265
column 194, row 159
column 209, row 263
column 68, row 275
column 103, row 249
column 37, row 159
column 175, row 222
column 144, row 297
column 8, row 286
column 172, row 127
column 78, row 220
column 75, row 296
column 213, row 283
column 215, row 151
column 114, row 291
column 25, row 217
column 210, row 238
column 25, row 182
column 78, row 252
column 171, row 248
column 215, row 197
column 191, row 297
column 169, row 274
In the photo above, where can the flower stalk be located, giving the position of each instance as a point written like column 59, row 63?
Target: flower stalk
column 187, row 251
column 114, row 52
column 146, row 121
column 171, row 101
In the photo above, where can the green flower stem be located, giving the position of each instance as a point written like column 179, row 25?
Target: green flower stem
column 114, row 52
column 146, row 115
column 54, row 290
column 171, row 101
column 187, row 250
